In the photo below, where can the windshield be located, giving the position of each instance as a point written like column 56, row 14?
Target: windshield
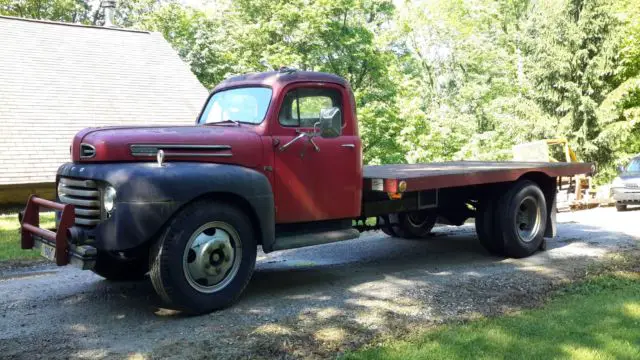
column 244, row 105
column 634, row 166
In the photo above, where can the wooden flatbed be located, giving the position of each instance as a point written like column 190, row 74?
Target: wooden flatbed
column 429, row 176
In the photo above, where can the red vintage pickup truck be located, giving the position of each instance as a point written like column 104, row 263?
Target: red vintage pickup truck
column 274, row 161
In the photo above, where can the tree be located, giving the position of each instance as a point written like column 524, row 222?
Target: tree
column 619, row 112
column 74, row 11
column 433, row 80
column 572, row 62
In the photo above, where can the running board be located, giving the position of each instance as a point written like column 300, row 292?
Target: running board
column 317, row 238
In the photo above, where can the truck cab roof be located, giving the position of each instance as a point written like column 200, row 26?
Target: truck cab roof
column 280, row 78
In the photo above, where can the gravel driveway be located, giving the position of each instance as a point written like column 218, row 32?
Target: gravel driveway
column 308, row 303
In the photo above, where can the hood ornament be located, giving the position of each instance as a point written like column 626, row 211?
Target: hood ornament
column 160, row 157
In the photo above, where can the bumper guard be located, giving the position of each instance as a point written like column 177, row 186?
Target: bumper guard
column 32, row 235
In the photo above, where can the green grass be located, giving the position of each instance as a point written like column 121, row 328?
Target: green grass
column 595, row 319
column 10, row 237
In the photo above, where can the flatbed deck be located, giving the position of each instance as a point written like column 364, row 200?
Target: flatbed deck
column 429, row 176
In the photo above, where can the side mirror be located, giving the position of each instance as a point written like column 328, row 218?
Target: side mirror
column 330, row 122
column 620, row 169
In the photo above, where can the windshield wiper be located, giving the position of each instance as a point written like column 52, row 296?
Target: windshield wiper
column 226, row 121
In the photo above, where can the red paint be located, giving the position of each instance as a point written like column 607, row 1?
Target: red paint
column 318, row 186
column 113, row 143
column 315, row 185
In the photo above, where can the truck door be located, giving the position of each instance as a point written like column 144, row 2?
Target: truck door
column 318, row 182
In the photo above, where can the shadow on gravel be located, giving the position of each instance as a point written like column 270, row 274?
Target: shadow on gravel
column 416, row 285
column 295, row 309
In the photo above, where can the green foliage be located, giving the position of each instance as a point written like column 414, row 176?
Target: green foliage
column 619, row 112
column 572, row 64
column 434, row 80
column 56, row 10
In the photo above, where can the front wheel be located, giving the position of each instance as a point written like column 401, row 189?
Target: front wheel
column 621, row 207
column 205, row 259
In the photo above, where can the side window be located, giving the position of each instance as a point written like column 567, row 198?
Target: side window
column 301, row 107
column 310, row 107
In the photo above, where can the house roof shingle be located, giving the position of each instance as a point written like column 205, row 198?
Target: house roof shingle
column 56, row 79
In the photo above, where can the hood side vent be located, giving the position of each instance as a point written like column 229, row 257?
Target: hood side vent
column 87, row 151
column 180, row 150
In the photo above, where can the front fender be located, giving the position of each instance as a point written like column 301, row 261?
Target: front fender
column 148, row 195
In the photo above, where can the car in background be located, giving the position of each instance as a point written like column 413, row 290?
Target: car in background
column 625, row 189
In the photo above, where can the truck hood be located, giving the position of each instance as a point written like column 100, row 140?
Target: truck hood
column 221, row 143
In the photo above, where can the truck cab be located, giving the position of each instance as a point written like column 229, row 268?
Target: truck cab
column 284, row 110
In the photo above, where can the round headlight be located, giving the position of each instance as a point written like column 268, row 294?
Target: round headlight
column 109, row 198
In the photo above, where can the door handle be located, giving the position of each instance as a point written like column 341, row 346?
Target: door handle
column 352, row 146
column 285, row 146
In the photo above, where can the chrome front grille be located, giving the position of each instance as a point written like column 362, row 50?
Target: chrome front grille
column 631, row 185
column 85, row 195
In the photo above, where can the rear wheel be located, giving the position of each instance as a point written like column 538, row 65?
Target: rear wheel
column 205, row 259
column 413, row 224
column 521, row 219
column 114, row 269
column 485, row 228
column 383, row 221
column 386, row 231
column 621, row 207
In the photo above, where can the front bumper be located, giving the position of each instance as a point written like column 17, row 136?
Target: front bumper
column 626, row 195
column 54, row 245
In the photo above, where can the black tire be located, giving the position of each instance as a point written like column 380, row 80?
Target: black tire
column 388, row 231
column 413, row 225
column 621, row 207
column 168, row 274
column 523, row 194
column 485, row 228
column 396, row 229
column 113, row 269
column 382, row 221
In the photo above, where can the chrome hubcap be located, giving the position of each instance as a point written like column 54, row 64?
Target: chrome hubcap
column 528, row 218
column 212, row 256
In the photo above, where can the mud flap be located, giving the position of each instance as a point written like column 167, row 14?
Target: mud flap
column 552, row 225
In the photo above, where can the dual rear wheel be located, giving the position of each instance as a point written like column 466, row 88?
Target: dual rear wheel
column 409, row 225
column 513, row 223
